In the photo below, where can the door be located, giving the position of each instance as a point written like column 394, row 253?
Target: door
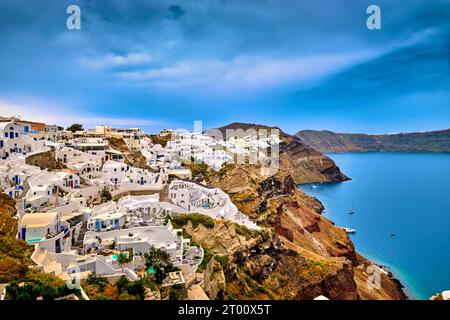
column 24, row 233
column 58, row 246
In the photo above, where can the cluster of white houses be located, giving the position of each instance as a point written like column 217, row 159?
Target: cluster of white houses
column 185, row 146
column 95, row 205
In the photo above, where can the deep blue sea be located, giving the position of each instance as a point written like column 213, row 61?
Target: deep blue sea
column 405, row 194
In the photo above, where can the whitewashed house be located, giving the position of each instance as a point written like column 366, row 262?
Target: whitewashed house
column 58, row 178
column 114, row 172
column 209, row 201
column 13, row 174
column 87, row 170
column 107, row 222
column 37, row 227
column 10, row 139
column 68, row 155
column 141, row 239
column 41, row 195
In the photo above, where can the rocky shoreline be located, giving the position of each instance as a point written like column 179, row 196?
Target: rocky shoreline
column 394, row 278
column 385, row 268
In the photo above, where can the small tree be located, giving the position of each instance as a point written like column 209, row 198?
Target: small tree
column 122, row 284
column 167, row 218
column 106, row 195
column 75, row 127
column 159, row 275
column 174, row 294
column 99, row 281
column 159, row 260
column 137, row 288
column 122, row 259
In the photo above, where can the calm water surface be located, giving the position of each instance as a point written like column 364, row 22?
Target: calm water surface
column 405, row 194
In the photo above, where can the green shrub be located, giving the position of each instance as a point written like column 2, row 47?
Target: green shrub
column 223, row 260
column 195, row 218
column 105, row 195
column 207, row 256
column 244, row 231
column 99, row 281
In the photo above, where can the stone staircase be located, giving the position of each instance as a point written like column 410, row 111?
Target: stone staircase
column 19, row 201
column 79, row 241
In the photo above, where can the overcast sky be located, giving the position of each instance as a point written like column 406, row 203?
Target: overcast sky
column 295, row 64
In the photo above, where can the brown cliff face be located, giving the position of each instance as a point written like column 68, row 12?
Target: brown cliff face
column 214, row 280
column 132, row 158
column 14, row 253
column 312, row 255
column 45, row 160
column 263, row 265
column 8, row 224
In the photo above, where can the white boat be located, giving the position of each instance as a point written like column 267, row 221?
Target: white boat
column 314, row 187
column 349, row 230
column 351, row 210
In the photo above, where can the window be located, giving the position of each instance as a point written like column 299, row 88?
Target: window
column 1, row 143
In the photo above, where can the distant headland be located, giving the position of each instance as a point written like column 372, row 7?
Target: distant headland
column 332, row 142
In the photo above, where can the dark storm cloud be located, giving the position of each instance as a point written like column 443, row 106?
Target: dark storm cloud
column 175, row 12
column 171, row 53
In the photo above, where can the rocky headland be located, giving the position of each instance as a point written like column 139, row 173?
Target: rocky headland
column 332, row 142
column 300, row 254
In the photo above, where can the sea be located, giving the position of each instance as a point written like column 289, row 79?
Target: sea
column 401, row 214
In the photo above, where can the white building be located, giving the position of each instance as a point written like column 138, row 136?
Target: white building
column 13, row 174
column 10, row 139
column 68, row 155
column 209, row 201
column 37, row 227
column 58, row 178
column 107, row 222
column 141, row 239
column 114, row 172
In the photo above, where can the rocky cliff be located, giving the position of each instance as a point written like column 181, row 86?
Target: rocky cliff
column 328, row 141
column 13, row 252
column 260, row 265
column 132, row 158
column 300, row 254
column 45, row 160
column 8, row 224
